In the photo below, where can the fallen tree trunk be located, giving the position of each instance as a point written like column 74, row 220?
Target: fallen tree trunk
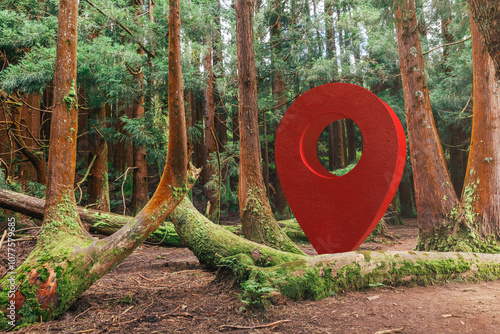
column 108, row 223
column 297, row 276
column 100, row 222
column 294, row 276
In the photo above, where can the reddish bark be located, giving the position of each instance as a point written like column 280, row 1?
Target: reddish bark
column 483, row 170
column 257, row 220
column 28, row 127
column 434, row 193
column 486, row 14
column 210, row 173
column 63, row 246
column 140, row 193
column 30, row 119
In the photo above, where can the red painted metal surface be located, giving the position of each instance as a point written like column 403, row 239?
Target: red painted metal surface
column 337, row 213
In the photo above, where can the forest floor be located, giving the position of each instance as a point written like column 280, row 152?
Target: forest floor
column 166, row 290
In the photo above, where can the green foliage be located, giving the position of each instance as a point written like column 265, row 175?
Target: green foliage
column 229, row 160
column 255, row 294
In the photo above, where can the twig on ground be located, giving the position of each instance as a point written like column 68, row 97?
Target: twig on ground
column 3, row 237
column 86, row 331
column 131, row 307
column 181, row 314
column 82, row 313
column 254, row 327
column 391, row 331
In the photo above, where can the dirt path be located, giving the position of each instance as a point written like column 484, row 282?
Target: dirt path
column 165, row 290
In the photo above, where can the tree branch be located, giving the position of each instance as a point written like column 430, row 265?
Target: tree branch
column 127, row 30
column 445, row 45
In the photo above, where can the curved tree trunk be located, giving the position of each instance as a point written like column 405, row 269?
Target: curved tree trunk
column 257, row 219
column 66, row 259
column 434, row 193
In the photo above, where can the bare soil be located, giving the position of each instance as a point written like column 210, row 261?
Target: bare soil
column 166, row 290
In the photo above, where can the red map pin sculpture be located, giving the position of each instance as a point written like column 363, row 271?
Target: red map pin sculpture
column 337, row 213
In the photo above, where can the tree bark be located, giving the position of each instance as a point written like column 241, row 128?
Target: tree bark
column 257, row 220
column 31, row 120
column 98, row 181
column 486, row 14
column 212, row 187
column 66, row 259
column 481, row 193
column 434, row 193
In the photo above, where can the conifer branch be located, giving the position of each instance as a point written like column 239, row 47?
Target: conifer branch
column 127, row 30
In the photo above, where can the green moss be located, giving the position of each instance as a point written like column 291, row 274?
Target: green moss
column 69, row 99
column 44, row 273
column 178, row 192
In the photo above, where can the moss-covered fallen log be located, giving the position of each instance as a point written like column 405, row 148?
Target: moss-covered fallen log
column 100, row 222
column 297, row 276
column 108, row 223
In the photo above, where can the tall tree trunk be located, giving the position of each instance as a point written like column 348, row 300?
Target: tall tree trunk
column 486, row 14
column 481, row 194
column 351, row 141
column 66, row 259
column 98, row 180
column 140, row 193
column 257, row 220
column 279, row 93
column 120, row 160
column 212, row 186
column 338, row 145
column 31, row 121
column 189, row 119
column 220, row 117
column 140, row 180
column 434, row 193
column 458, row 138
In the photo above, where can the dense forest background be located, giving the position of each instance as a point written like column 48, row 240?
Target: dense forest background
column 104, row 104
column 123, row 76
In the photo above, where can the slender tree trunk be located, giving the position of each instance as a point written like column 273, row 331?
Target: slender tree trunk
column 31, row 119
column 98, row 181
column 21, row 130
column 279, row 93
column 481, row 194
column 120, row 145
column 211, row 180
column 351, row 141
column 434, row 193
column 189, row 119
column 220, row 117
column 130, row 147
column 458, row 138
column 338, row 145
column 257, row 220
column 66, row 259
